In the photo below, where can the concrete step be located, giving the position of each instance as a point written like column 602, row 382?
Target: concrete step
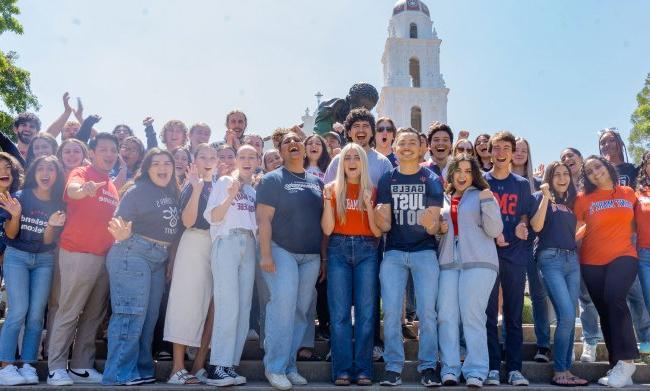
column 320, row 372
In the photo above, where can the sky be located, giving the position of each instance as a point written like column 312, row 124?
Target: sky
column 554, row 71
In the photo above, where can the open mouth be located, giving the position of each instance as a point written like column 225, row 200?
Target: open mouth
column 501, row 159
column 45, row 180
column 294, row 149
column 361, row 136
column 462, row 182
column 441, row 149
column 162, row 175
column 4, row 178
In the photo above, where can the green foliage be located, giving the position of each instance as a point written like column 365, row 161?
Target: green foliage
column 640, row 134
column 15, row 90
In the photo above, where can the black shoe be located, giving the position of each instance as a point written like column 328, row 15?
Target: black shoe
column 217, row 376
column 430, row 378
column 408, row 333
column 542, row 355
column 391, row 378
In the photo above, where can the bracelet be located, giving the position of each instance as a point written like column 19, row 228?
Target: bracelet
column 326, row 198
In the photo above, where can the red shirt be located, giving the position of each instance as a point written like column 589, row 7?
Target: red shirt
column 642, row 218
column 86, row 225
column 454, row 213
column 356, row 221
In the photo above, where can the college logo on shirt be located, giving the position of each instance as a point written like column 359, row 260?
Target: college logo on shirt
column 408, row 203
column 171, row 214
column 507, row 203
column 598, row 206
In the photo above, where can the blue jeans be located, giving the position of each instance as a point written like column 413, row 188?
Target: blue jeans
column 136, row 272
column 352, row 275
column 538, row 297
column 28, row 278
column 393, row 273
column 463, row 296
column 291, row 288
column 637, row 304
column 644, row 274
column 560, row 272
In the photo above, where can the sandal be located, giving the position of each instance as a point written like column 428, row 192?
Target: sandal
column 568, row 381
column 342, row 381
column 364, row 381
column 312, row 356
column 183, row 377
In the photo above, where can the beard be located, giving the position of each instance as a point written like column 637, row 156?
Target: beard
column 24, row 137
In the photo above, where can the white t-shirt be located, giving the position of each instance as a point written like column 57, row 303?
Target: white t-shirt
column 240, row 214
column 316, row 171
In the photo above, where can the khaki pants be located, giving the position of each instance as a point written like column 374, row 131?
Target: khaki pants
column 82, row 305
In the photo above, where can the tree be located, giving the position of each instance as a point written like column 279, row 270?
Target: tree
column 640, row 134
column 15, row 88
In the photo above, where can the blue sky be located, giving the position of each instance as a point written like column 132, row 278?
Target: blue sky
column 552, row 71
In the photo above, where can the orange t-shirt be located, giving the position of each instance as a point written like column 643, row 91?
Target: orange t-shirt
column 356, row 221
column 642, row 217
column 609, row 216
column 86, row 224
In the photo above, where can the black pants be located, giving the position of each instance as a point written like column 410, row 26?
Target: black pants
column 512, row 278
column 608, row 286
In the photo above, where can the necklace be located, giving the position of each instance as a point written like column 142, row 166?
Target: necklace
column 302, row 178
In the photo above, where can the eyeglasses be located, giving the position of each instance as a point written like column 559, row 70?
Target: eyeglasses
column 463, row 150
column 385, row 129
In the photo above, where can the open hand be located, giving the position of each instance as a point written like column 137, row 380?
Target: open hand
column 120, row 229
column 10, row 204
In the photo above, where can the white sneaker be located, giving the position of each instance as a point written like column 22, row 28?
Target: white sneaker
column 588, row 352
column 85, row 376
column 9, row 376
column 474, row 382
column 59, row 377
column 296, row 379
column 605, row 379
column 449, row 379
column 621, row 374
column 493, row 379
column 515, row 378
column 28, row 372
column 278, row 381
column 202, row 375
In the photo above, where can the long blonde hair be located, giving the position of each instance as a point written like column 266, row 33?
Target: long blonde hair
column 341, row 184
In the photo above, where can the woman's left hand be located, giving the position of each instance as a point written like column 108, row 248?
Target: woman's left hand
column 57, row 219
column 120, row 229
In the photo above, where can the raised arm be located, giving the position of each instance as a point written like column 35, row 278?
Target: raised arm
column 57, row 126
column 537, row 222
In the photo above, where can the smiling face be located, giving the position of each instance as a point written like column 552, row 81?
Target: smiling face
column 40, row 147
column 272, row 160
column 314, row 148
column 501, row 154
column 247, row 160
column 130, row 153
column 182, row 161
column 122, row 132
column 6, row 178
column 199, row 134
column 72, row 155
column 361, row 132
column 462, row 177
column 610, row 149
column 105, row 155
column 25, row 132
column 464, row 146
column 174, row 137
column 482, row 147
column 598, row 174
column 291, row 148
column 206, row 161
column 161, row 170
column 352, row 165
column 561, row 179
column 385, row 134
column 520, row 155
column 407, row 147
column 572, row 160
column 237, row 123
column 45, row 175
column 440, row 145
column 225, row 161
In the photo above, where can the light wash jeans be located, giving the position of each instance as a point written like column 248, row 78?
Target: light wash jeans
column 28, row 278
column 291, row 288
column 463, row 297
column 136, row 272
column 393, row 273
column 233, row 273
column 560, row 273
column 352, row 275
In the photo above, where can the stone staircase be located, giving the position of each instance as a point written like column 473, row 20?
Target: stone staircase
column 318, row 373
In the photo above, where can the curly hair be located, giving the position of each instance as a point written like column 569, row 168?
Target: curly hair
column 17, row 172
column 588, row 186
column 642, row 180
column 26, row 117
column 436, row 127
column 357, row 115
column 361, row 91
column 170, row 125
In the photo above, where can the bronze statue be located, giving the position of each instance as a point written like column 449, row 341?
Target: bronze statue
column 336, row 109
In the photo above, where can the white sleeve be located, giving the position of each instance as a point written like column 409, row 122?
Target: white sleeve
column 330, row 173
column 217, row 195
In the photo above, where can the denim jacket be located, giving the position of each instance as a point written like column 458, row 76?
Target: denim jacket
column 479, row 223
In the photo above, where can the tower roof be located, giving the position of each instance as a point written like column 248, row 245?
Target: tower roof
column 410, row 5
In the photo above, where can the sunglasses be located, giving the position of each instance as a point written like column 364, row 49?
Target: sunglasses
column 463, row 150
column 385, row 129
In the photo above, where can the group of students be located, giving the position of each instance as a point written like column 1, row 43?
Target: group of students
column 352, row 220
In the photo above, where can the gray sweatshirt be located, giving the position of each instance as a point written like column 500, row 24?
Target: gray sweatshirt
column 479, row 223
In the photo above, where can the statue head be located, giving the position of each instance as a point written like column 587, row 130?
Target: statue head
column 362, row 95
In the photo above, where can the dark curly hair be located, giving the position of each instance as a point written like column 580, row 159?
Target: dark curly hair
column 436, row 127
column 324, row 159
column 642, row 180
column 570, row 196
column 357, row 115
column 17, row 172
column 590, row 187
column 362, row 91
column 28, row 118
column 477, row 175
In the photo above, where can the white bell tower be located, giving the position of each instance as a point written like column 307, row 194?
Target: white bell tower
column 414, row 93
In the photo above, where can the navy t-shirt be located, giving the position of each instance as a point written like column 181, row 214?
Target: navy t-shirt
column 515, row 200
column 393, row 159
column 409, row 196
column 298, row 203
column 152, row 210
column 627, row 174
column 559, row 226
column 33, row 221
column 186, row 194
